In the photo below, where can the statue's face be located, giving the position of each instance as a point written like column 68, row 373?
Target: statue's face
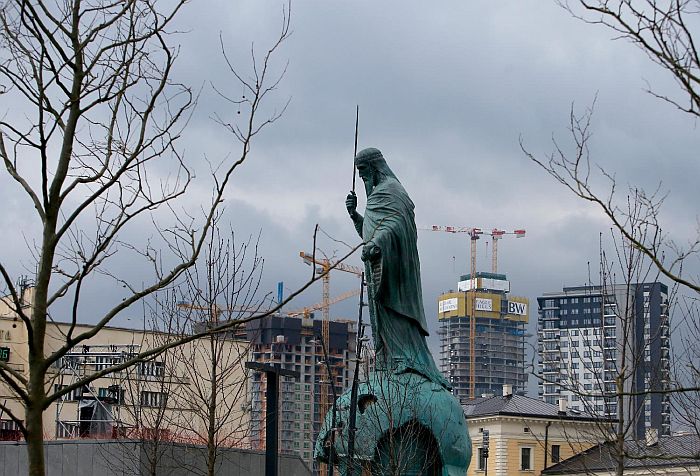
column 367, row 175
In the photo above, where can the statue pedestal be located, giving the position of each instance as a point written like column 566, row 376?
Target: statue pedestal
column 406, row 424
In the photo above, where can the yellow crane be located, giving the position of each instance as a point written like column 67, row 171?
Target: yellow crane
column 306, row 312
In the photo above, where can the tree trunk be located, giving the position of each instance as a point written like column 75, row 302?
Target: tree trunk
column 211, row 433
column 35, row 426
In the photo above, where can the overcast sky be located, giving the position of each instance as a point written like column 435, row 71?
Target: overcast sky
column 444, row 92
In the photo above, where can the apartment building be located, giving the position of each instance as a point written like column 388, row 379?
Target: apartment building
column 588, row 336
column 152, row 399
column 326, row 370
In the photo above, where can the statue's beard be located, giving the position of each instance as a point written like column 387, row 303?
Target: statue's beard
column 369, row 186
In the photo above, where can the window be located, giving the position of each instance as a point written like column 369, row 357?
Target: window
column 113, row 391
column 556, row 453
column 152, row 368
column 72, row 396
column 525, row 458
column 482, row 459
column 153, row 399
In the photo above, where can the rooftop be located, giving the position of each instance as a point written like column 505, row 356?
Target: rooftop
column 520, row 405
column 670, row 451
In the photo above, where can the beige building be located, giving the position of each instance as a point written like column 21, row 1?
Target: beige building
column 524, row 435
column 164, row 397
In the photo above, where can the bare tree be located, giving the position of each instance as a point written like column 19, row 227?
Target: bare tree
column 96, row 112
column 664, row 31
column 223, row 288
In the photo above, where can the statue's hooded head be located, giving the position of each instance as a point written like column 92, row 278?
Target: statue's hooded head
column 372, row 168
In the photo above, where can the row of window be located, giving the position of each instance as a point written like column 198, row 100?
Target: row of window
column 573, row 300
column 527, row 455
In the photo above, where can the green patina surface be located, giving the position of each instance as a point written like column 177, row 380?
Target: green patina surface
column 405, row 406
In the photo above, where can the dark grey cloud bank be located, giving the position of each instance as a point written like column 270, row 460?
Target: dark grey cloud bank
column 445, row 91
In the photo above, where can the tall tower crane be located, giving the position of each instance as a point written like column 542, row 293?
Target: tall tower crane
column 474, row 235
column 324, row 267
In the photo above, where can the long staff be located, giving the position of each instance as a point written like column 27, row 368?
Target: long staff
column 357, row 120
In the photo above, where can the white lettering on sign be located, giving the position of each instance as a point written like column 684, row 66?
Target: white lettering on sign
column 484, row 304
column 519, row 308
column 447, row 305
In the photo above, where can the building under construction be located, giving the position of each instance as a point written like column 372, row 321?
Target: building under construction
column 495, row 354
column 295, row 343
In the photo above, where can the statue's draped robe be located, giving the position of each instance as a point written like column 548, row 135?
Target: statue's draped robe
column 396, row 302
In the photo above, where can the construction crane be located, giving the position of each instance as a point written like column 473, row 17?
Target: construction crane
column 306, row 312
column 215, row 310
column 474, row 235
column 325, row 266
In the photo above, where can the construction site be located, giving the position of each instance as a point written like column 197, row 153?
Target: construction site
column 481, row 326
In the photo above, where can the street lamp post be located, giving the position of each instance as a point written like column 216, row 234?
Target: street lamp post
column 272, row 375
column 335, row 400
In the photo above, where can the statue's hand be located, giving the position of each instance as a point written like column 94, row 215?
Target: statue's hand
column 371, row 252
column 351, row 204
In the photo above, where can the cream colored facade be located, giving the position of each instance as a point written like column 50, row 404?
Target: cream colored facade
column 514, row 438
column 153, row 397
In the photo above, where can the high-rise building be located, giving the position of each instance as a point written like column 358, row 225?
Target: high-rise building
column 295, row 343
column 499, row 337
column 589, row 336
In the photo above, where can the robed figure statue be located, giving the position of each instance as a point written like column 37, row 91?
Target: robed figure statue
column 405, row 420
column 390, row 253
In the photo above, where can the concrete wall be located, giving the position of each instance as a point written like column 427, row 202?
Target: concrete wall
column 129, row 458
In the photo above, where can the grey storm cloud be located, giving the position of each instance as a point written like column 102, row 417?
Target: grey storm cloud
column 445, row 91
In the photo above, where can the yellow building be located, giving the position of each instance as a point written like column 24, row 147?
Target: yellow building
column 499, row 322
column 524, row 435
column 164, row 397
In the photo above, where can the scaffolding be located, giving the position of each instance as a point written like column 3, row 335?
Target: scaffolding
column 97, row 412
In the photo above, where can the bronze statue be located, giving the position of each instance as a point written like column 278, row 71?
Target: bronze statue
column 390, row 254
column 407, row 421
